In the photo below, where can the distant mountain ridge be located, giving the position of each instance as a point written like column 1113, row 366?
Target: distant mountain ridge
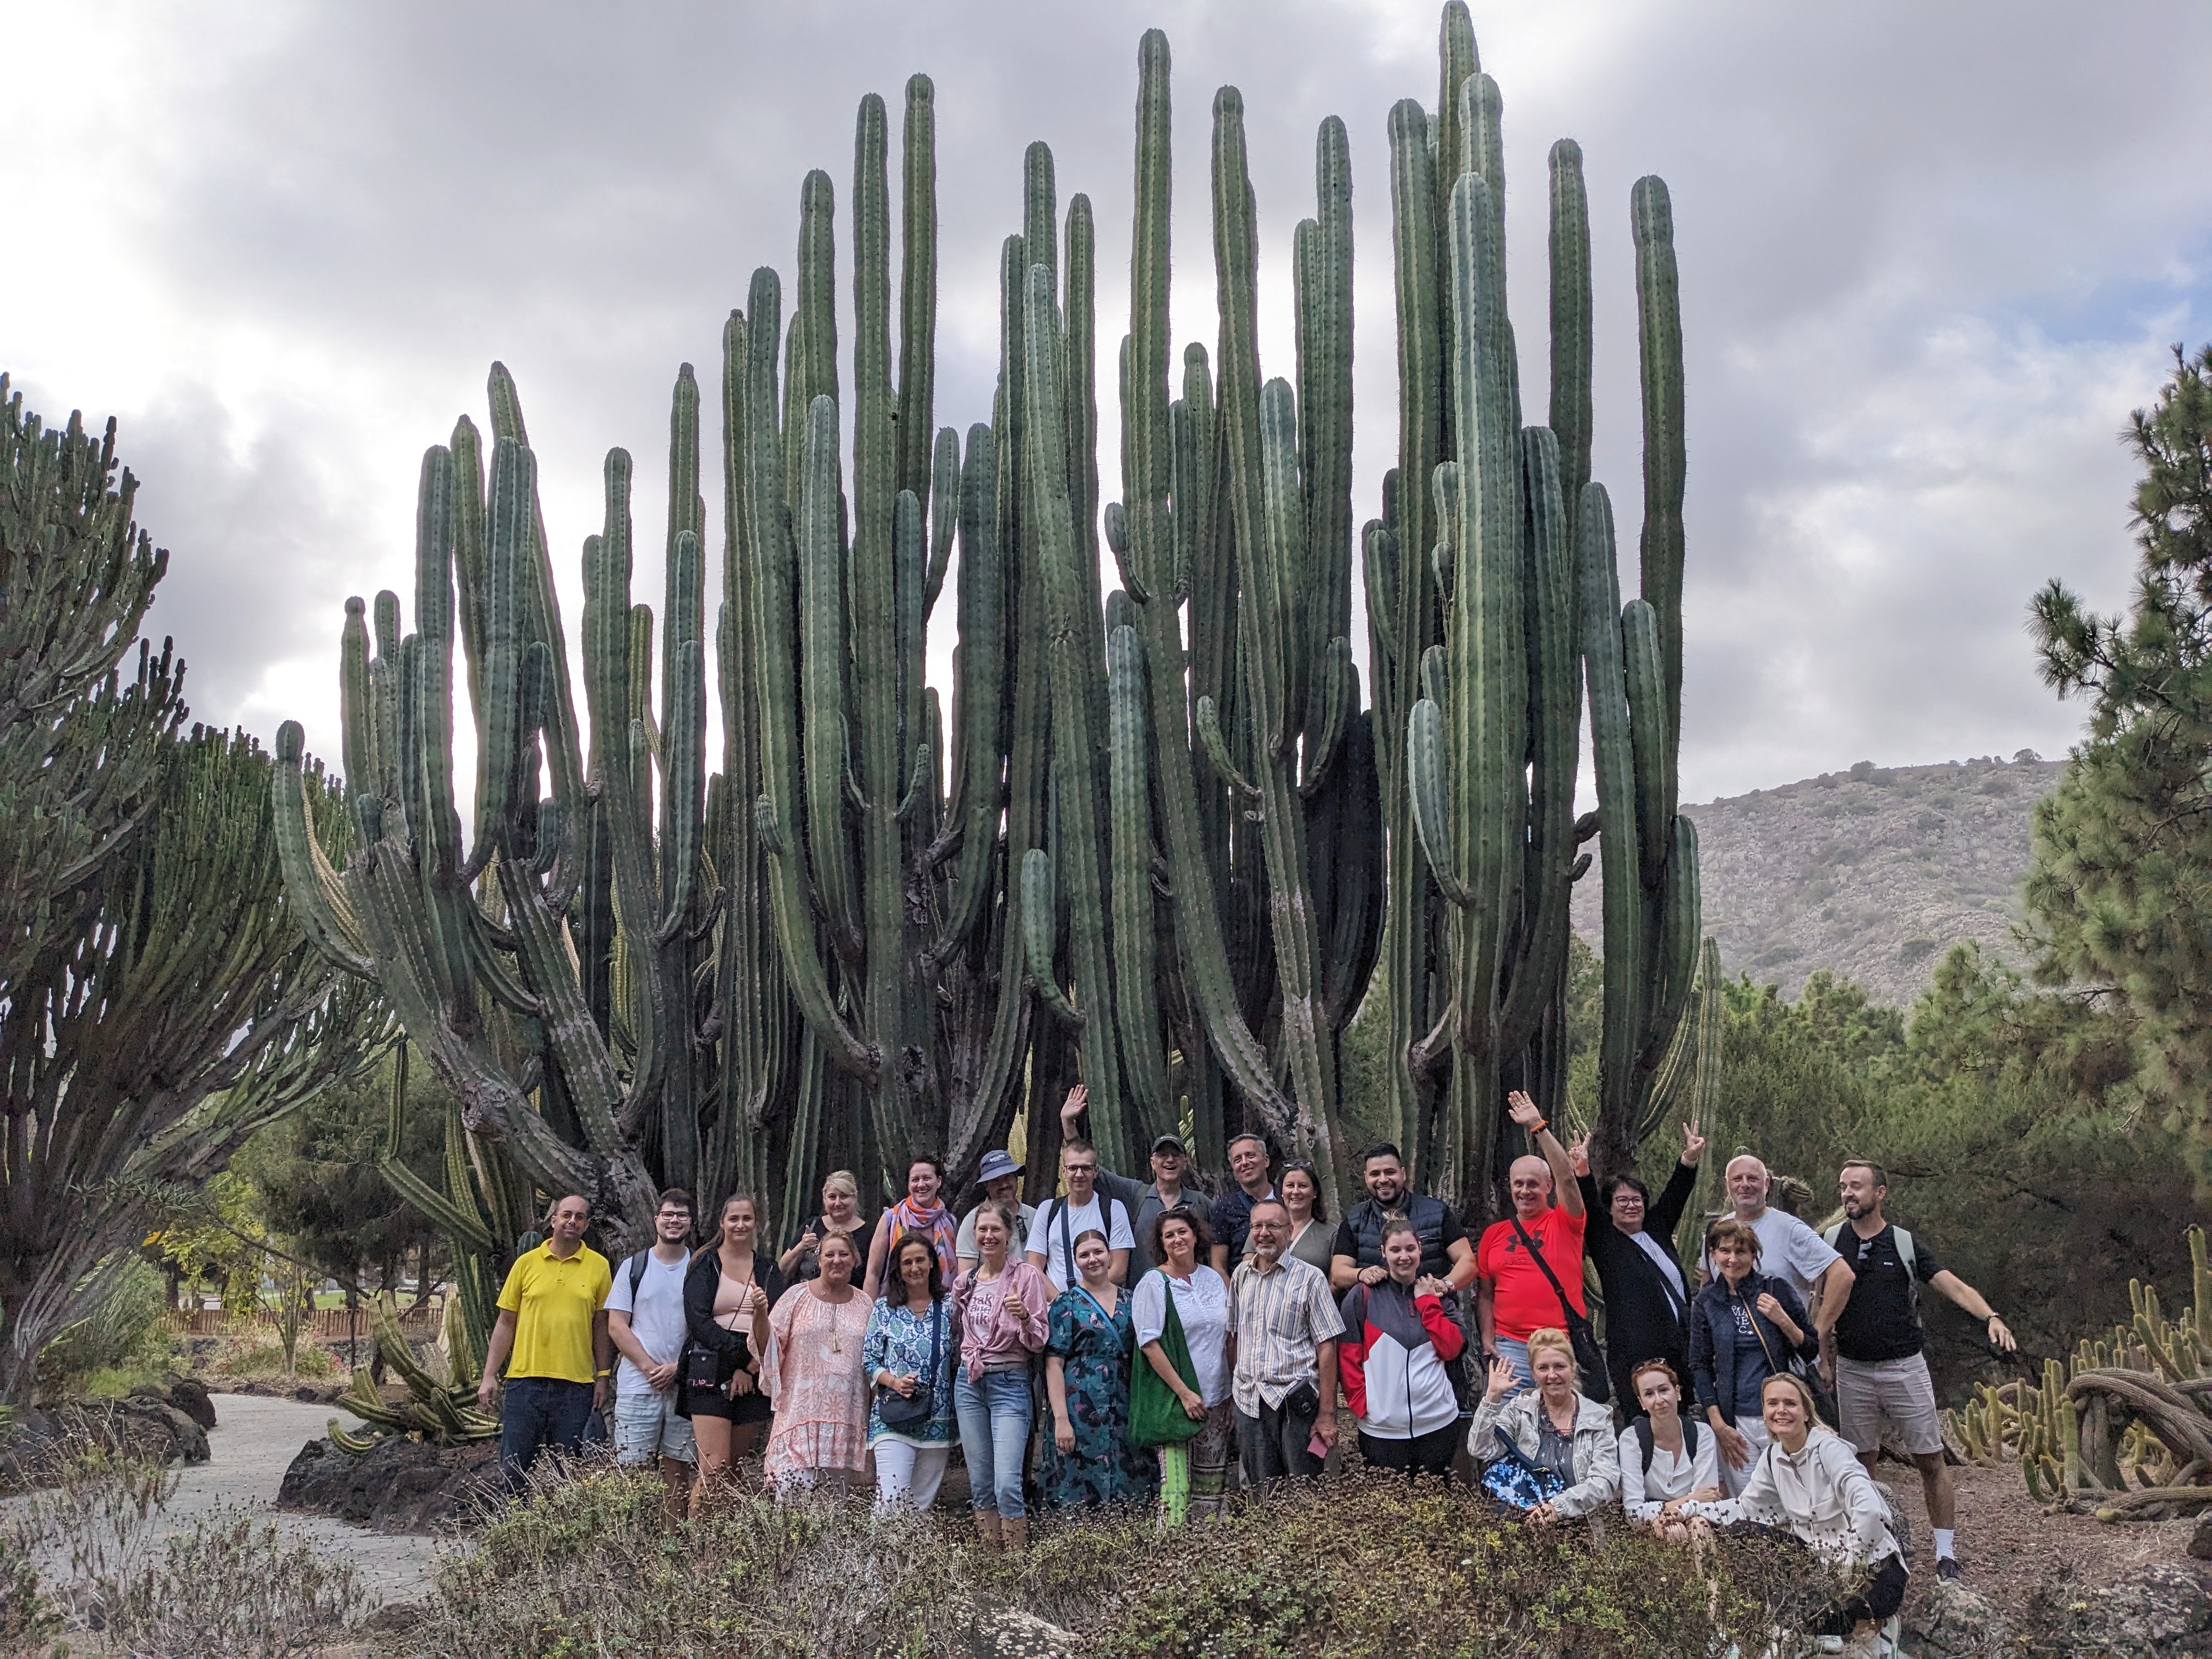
column 1874, row 872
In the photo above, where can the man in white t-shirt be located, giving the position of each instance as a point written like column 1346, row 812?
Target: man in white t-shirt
column 1002, row 1185
column 1061, row 1221
column 1789, row 1249
column 645, row 1317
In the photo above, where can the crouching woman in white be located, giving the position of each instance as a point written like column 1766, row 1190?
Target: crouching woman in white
column 1809, row 1483
column 1666, row 1461
column 1555, row 1427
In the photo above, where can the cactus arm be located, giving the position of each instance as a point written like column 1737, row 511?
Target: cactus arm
column 1038, row 905
column 1571, row 351
column 945, row 506
column 1659, row 354
column 514, row 476
column 1208, row 722
column 437, row 825
column 773, row 626
column 1070, row 653
column 978, row 662
column 917, row 368
column 311, row 886
column 466, row 447
column 1331, row 712
column 1457, row 60
column 1649, row 737
column 1425, row 767
column 1323, row 306
column 1136, row 997
column 1613, row 760
column 1555, row 701
column 822, row 555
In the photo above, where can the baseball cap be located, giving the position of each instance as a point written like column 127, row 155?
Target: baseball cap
column 1174, row 1141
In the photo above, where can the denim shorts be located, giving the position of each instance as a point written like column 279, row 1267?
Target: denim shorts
column 648, row 1423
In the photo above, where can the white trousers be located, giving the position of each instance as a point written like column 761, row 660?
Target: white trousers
column 907, row 1475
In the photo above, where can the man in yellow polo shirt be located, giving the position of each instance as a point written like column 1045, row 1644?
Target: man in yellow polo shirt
column 553, row 1324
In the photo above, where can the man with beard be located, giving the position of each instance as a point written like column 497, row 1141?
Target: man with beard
column 1446, row 1251
column 1880, row 1368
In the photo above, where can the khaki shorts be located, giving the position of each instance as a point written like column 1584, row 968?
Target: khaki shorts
column 1899, row 1389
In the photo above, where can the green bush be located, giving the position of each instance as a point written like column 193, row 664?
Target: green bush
column 267, row 1360
column 1358, row 1567
column 127, row 1334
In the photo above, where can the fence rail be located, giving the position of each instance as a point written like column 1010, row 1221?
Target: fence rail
column 326, row 1324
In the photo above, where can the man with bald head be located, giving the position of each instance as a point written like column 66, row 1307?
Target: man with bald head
column 552, row 1342
column 1513, row 1295
column 1789, row 1249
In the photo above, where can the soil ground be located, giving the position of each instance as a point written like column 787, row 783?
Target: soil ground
column 2009, row 1548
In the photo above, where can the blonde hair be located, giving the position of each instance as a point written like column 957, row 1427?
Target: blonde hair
column 1804, row 1394
column 842, row 1180
column 1550, row 1336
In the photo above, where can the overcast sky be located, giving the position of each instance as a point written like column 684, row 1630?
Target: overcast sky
column 1931, row 256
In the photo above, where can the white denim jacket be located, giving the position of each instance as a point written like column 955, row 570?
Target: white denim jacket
column 1597, row 1454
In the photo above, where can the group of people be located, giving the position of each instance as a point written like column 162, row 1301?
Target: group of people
column 1127, row 1342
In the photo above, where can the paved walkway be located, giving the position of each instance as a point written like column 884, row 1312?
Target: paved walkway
column 253, row 1443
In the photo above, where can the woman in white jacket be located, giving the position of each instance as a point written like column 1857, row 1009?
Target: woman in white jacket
column 1555, row 1427
column 1809, row 1483
column 1666, row 1459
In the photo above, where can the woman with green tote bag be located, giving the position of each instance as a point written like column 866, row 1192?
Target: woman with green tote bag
column 1180, row 1400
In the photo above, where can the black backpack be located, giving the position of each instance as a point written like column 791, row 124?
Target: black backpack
column 1644, row 1440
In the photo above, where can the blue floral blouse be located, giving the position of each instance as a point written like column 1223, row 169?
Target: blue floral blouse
column 898, row 1341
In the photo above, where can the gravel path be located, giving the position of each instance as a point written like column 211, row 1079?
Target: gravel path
column 253, row 1441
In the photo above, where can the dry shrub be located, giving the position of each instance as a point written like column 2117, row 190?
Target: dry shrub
column 1360, row 1566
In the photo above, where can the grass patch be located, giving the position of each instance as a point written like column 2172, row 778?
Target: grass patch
column 267, row 1360
column 1360, row 1568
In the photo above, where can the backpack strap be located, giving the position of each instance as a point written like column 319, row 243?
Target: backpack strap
column 636, row 1267
column 1644, row 1442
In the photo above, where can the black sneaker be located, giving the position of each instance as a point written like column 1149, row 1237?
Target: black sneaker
column 1947, row 1566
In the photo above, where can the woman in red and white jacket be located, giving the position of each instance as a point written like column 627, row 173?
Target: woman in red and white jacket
column 1400, row 1336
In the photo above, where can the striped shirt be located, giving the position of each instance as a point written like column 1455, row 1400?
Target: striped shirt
column 1281, row 1318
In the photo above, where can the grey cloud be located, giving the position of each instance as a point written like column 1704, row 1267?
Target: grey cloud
column 382, row 199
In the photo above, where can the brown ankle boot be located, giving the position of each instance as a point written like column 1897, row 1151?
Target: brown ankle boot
column 987, row 1528
column 1015, row 1530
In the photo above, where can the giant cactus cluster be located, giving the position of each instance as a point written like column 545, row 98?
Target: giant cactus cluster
column 1147, row 848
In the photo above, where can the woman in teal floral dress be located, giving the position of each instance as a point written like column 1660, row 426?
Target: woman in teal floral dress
column 1089, row 1462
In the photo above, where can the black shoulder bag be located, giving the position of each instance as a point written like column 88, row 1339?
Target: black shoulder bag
column 1590, row 1359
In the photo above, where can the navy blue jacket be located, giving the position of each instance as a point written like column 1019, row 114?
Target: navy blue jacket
column 1713, row 1340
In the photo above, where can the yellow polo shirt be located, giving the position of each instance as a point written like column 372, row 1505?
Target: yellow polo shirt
column 553, row 1302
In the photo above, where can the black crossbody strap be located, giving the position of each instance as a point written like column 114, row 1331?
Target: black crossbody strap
column 1557, row 1288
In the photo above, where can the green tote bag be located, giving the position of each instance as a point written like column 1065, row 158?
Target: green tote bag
column 1155, row 1416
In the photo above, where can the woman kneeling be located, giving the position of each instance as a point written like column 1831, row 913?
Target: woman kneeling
column 1565, row 1437
column 1666, row 1461
column 1807, row 1483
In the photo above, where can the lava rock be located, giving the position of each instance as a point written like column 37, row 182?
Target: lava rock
column 190, row 1395
column 2200, row 1541
column 2158, row 1611
column 398, row 1486
column 1954, row 1622
column 1003, row 1633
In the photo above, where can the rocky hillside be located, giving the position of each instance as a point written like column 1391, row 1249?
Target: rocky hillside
column 1874, row 872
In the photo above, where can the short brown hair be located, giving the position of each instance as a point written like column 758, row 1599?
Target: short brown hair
column 1392, row 1225
column 1728, row 1228
column 1881, row 1175
column 675, row 1197
column 1077, row 1144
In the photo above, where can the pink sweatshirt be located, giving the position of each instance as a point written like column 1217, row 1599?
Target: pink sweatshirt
column 992, row 1338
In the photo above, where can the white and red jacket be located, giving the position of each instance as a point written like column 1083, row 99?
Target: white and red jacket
column 1392, row 1357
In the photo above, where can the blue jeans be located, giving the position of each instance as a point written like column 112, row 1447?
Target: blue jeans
column 535, row 1413
column 995, row 1435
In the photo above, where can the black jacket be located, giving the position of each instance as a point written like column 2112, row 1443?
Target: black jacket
column 1640, row 1320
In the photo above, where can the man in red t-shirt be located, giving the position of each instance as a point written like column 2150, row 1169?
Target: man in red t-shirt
column 1512, row 1296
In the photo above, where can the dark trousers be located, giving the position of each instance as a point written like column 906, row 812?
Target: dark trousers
column 1273, row 1445
column 1424, row 1453
column 1879, row 1597
column 536, row 1412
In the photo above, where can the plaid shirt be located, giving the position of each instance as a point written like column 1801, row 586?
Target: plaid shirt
column 1281, row 1319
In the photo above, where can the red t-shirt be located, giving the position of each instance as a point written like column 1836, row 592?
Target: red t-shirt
column 1522, row 1297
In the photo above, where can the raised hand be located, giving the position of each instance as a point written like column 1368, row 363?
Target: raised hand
column 1578, row 1155
column 1523, row 1110
column 1504, row 1379
column 1014, row 1305
column 1694, row 1145
column 1072, row 1108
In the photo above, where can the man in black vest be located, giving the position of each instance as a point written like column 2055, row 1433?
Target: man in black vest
column 1358, row 1260
column 1632, row 1241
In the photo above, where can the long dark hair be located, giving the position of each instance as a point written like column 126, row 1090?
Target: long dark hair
column 1202, row 1234
column 894, row 1281
column 1305, row 1166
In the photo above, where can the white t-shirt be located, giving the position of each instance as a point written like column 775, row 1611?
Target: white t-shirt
column 656, row 1319
column 1203, row 1306
column 1790, row 1250
column 1045, row 1239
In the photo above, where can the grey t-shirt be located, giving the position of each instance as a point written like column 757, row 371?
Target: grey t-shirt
column 656, row 1319
column 1790, row 1250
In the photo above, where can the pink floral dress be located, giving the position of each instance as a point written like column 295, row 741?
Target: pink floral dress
column 815, row 1378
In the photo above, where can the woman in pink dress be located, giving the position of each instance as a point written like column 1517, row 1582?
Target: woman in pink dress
column 821, row 1397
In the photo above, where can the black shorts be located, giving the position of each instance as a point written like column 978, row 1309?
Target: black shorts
column 753, row 1407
